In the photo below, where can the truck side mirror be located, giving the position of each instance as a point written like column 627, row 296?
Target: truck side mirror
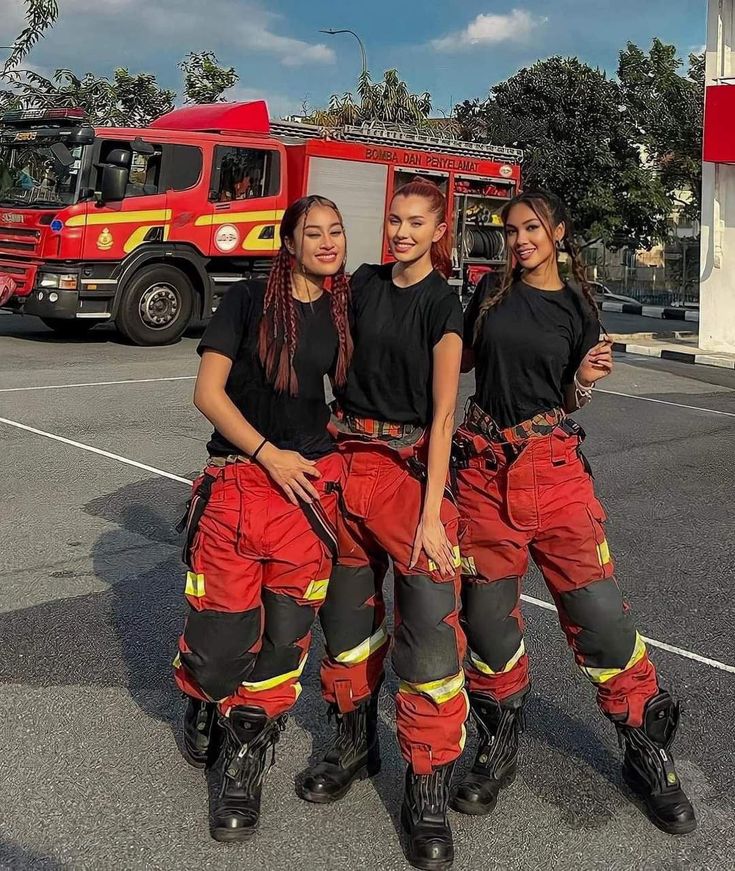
column 113, row 184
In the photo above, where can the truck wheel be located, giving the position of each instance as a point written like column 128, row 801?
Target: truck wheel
column 156, row 306
column 71, row 327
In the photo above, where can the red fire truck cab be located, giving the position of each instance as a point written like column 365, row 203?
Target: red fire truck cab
column 149, row 227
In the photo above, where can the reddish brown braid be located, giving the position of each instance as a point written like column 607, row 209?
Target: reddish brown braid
column 278, row 332
column 551, row 212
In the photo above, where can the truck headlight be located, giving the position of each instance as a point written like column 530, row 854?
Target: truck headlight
column 59, row 280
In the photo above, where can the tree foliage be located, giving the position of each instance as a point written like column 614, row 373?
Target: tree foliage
column 205, row 81
column 40, row 16
column 389, row 101
column 126, row 100
column 570, row 120
column 666, row 112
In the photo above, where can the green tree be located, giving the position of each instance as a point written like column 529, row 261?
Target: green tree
column 569, row 118
column 389, row 101
column 665, row 109
column 205, row 81
column 127, row 100
column 40, row 16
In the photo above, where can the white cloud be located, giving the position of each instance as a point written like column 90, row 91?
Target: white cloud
column 491, row 29
column 243, row 25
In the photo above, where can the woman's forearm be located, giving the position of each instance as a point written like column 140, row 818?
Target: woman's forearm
column 440, row 446
column 223, row 414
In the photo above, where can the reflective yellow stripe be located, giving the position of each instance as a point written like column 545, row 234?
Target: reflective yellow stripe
column 463, row 736
column 439, row 690
column 468, row 565
column 238, row 218
column 485, row 668
column 261, row 685
column 194, row 584
column 177, row 661
column 253, row 242
column 602, row 675
column 152, row 216
column 456, row 561
column 137, row 237
column 603, row 553
column 317, row 591
column 363, row 650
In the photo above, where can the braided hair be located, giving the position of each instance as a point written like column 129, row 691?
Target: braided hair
column 278, row 332
column 551, row 211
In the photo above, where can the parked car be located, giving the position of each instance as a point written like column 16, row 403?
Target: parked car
column 604, row 294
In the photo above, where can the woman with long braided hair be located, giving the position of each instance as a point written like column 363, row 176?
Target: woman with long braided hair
column 260, row 526
column 524, row 487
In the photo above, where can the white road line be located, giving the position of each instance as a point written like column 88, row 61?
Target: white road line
column 97, row 383
column 547, row 606
column 666, row 402
column 687, row 654
column 92, row 450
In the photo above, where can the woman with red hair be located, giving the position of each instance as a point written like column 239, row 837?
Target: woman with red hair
column 260, row 526
column 394, row 426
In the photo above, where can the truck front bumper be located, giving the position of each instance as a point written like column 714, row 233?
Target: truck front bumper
column 65, row 305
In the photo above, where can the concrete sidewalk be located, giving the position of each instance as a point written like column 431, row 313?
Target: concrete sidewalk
column 667, row 312
column 672, row 345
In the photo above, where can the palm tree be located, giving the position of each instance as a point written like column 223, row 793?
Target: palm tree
column 388, row 101
column 40, row 15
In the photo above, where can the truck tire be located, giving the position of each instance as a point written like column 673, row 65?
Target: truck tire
column 156, row 306
column 71, row 328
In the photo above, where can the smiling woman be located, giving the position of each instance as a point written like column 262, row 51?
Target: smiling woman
column 260, row 526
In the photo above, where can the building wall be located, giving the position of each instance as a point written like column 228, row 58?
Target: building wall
column 717, row 278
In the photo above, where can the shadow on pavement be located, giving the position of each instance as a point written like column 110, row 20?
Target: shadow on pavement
column 16, row 858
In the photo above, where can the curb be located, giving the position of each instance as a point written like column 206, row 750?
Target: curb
column 677, row 356
column 667, row 312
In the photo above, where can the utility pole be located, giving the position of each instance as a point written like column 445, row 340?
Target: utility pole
column 363, row 53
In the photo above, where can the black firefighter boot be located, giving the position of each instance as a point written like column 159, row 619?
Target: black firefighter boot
column 198, row 731
column 249, row 740
column 498, row 725
column 648, row 767
column 353, row 755
column 428, row 837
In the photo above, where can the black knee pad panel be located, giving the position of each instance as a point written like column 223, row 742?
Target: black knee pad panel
column 606, row 637
column 493, row 632
column 286, row 622
column 425, row 647
column 220, row 643
column 346, row 618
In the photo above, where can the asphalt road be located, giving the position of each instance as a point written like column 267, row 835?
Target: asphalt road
column 90, row 606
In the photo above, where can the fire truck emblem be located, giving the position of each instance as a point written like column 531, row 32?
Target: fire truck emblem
column 506, row 170
column 105, row 240
column 226, row 238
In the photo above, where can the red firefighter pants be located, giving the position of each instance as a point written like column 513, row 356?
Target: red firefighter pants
column 259, row 574
column 544, row 503
column 383, row 504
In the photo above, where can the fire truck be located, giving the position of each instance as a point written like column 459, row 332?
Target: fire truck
column 149, row 227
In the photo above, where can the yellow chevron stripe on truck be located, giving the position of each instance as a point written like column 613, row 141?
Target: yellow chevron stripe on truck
column 151, row 216
column 239, row 218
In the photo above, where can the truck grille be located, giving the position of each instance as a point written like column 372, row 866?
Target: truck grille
column 24, row 276
column 19, row 240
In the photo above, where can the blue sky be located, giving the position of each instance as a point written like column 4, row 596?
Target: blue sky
column 452, row 49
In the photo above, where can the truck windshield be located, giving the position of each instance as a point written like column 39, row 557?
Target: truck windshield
column 31, row 174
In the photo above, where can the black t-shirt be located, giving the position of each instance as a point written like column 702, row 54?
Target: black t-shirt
column 296, row 423
column 395, row 330
column 529, row 348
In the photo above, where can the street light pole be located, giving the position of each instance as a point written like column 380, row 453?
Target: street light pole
column 363, row 54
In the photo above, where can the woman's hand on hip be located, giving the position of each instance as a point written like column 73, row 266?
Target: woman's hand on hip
column 431, row 537
column 597, row 363
column 291, row 472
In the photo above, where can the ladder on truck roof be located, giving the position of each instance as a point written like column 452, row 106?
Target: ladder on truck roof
column 406, row 137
